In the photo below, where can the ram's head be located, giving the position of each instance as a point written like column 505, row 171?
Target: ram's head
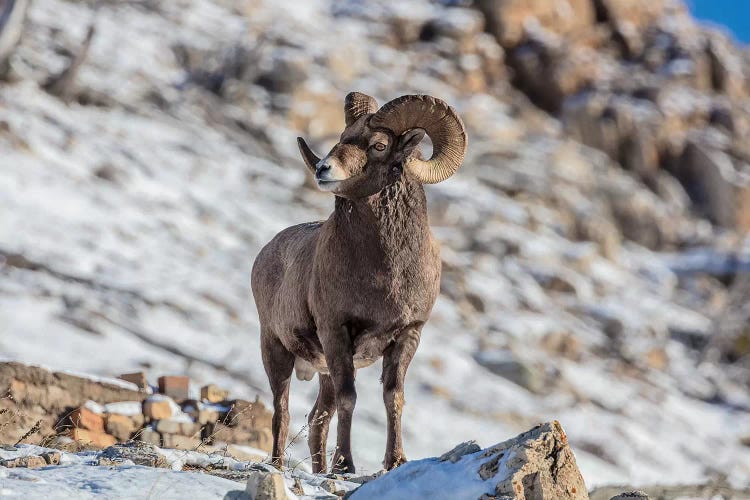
column 378, row 145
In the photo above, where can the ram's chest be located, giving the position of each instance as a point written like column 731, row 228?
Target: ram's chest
column 380, row 294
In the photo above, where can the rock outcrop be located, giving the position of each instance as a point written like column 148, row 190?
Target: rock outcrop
column 44, row 407
column 40, row 399
column 535, row 465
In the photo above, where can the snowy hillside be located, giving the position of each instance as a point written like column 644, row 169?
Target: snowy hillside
column 572, row 288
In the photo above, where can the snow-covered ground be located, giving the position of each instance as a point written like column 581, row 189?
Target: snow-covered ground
column 79, row 476
column 139, row 219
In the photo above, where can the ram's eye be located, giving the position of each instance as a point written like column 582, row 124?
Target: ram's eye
column 379, row 146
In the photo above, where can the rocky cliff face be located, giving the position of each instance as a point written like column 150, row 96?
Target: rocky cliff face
column 590, row 241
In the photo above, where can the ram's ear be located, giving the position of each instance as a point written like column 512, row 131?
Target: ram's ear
column 311, row 161
column 409, row 140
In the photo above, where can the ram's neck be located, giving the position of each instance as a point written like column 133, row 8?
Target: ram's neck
column 392, row 224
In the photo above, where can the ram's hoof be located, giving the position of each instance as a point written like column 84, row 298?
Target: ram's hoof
column 395, row 462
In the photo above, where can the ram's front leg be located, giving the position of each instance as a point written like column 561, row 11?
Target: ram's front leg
column 396, row 359
column 337, row 347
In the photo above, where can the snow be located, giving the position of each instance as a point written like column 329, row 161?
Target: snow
column 78, row 477
column 124, row 408
column 84, row 482
column 94, row 407
column 103, row 380
column 431, row 478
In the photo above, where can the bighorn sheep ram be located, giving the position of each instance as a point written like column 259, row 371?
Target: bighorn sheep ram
column 336, row 295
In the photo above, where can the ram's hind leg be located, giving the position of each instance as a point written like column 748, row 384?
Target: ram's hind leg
column 396, row 359
column 319, row 421
column 279, row 364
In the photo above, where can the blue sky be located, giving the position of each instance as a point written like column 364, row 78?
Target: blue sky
column 733, row 14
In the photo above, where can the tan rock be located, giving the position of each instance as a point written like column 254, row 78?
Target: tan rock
column 507, row 19
column 92, row 438
column 316, row 111
column 168, row 426
column 724, row 195
column 252, row 414
column 157, row 409
column 639, row 13
column 257, row 438
column 213, row 393
column 206, row 416
column 137, row 378
column 459, row 451
column 83, row 418
column 138, row 419
column 120, row 426
column 175, row 386
column 657, row 358
column 138, row 453
column 563, row 344
column 31, row 462
column 262, row 485
column 541, row 466
column 631, row 495
column 179, row 442
column 150, row 436
column 51, row 457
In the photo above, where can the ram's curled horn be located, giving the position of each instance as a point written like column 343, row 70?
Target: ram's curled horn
column 439, row 121
column 311, row 160
column 357, row 105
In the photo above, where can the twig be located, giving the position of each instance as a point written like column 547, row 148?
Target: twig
column 34, row 429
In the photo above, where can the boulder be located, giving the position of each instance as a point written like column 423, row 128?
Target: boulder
column 158, row 408
column 715, row 186
column 137, row 378
column 262, row 485
column 257, row 438
column 213, row 393
column 549, row 68
column 625, row 128
column 179, row 442
column 137, row 452
column 94, row 439
column 637, row 13
column 459, row 451
column 149, row 436
column 249, row 413
column 288, row 68
column 540, row 465
column 51, row 457
column 84, row 418
column 169, row 426
column 315, row 110
column 175, row 386
column 508, row 19
column 207, row 416
column 535, row 465
column 505, row 364
column 120, row 426
column 631, row 495
column 30, row 462
column 727, row 72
